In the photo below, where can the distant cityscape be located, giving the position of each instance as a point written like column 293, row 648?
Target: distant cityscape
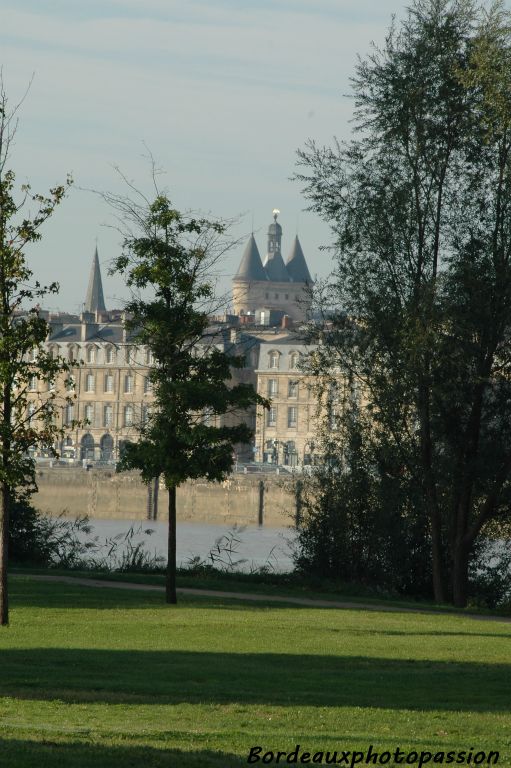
column 111, row 388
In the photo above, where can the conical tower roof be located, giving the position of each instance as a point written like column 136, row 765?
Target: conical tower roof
column 296, row 264
column 251, row 266
column 94, row 301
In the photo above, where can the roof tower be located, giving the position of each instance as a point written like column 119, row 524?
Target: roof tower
column 251, row 266
column 296, row 264
column 94, row 301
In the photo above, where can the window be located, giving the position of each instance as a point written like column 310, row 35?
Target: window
column 33, row 355
column 32, row 384
column 130, row 356
column 30, row 413
column 128, row 415
column 292, row 414
column 148, row 385
column 73, row 354
column 145, row 414
column 273, row 386
column 292, row 389
column 267, row 295
column 109, row 355
column 149, row 357
column 89, row 382
column 128, row 384
column 276, row 295
column 108, row 416
column 89, row 413
column 293, row 361
column 287, row 296
column 70, row 383
column 51, row 385
column 69, row 414
column 54, row 351
column 109, row 383
column 272, row 417
column 274, row 359
column 91, row 354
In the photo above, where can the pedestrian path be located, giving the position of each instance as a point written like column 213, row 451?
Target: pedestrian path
column 257, row 598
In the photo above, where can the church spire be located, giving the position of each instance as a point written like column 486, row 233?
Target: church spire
column 94, row 301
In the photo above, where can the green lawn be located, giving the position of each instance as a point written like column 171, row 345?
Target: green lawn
column 104, row 677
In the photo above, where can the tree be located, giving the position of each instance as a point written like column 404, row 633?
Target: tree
column 24, row 420
column 167, row 263
column 420, row 204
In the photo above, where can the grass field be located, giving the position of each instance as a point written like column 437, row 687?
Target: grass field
column 104, row 677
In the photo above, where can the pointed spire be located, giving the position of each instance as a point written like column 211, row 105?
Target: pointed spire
column 94, row 301
column 296, row 264
column 251, row 266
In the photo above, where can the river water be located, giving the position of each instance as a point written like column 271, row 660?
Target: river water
column 247, row 547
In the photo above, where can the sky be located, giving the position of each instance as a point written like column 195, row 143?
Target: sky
column 222, row 94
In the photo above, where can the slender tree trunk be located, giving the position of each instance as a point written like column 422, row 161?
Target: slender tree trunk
column 4, row 548
column 170, row 585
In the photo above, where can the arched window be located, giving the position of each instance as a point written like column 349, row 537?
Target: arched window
column 294, row 359
column 91, row 354
column 107, row 447
column 87, row 447
column 109, row 354
column 274, row 359
column 72, row 353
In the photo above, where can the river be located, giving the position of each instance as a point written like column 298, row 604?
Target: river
column 247, row 548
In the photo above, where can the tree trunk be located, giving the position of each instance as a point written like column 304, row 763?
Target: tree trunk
column 4, row 549
column 170, row 585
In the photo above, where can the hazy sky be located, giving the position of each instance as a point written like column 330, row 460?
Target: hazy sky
column 223, row 93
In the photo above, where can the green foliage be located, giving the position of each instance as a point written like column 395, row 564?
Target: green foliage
column 168, row 265
column 419, row 203
column 24, row 421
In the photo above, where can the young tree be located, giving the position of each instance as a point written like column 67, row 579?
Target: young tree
column 24, row 420
column 420, row 204
column 167, row 263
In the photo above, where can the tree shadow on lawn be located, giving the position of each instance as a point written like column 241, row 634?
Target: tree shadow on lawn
column 173, row 677
column 50, row 754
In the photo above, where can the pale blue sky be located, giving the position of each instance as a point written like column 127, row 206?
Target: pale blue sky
column 223, row 93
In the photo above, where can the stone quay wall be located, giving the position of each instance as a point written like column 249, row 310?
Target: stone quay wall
column 270, row 500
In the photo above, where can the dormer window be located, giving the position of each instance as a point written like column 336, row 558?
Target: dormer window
column 274, row 359
column 91, row 354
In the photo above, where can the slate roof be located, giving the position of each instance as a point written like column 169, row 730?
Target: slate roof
column 296, row 264
column 251, row 266
column 94, row 301
column 275, row 268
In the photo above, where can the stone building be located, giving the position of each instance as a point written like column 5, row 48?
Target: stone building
column 111, row 388
column 286, row 432
column 275, row 287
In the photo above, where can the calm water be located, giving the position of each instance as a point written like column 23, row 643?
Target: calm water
column 255, row 546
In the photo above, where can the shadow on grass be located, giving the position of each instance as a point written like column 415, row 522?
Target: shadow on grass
column 19, row 753
column 174, row 677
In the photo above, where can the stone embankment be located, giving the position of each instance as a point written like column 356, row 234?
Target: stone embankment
column 103, row 494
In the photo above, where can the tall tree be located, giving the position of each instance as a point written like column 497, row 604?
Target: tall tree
column 25, row 420
column 167, row 262
column 420, row 204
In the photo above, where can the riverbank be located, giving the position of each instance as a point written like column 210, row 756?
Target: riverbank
column 102, row 494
